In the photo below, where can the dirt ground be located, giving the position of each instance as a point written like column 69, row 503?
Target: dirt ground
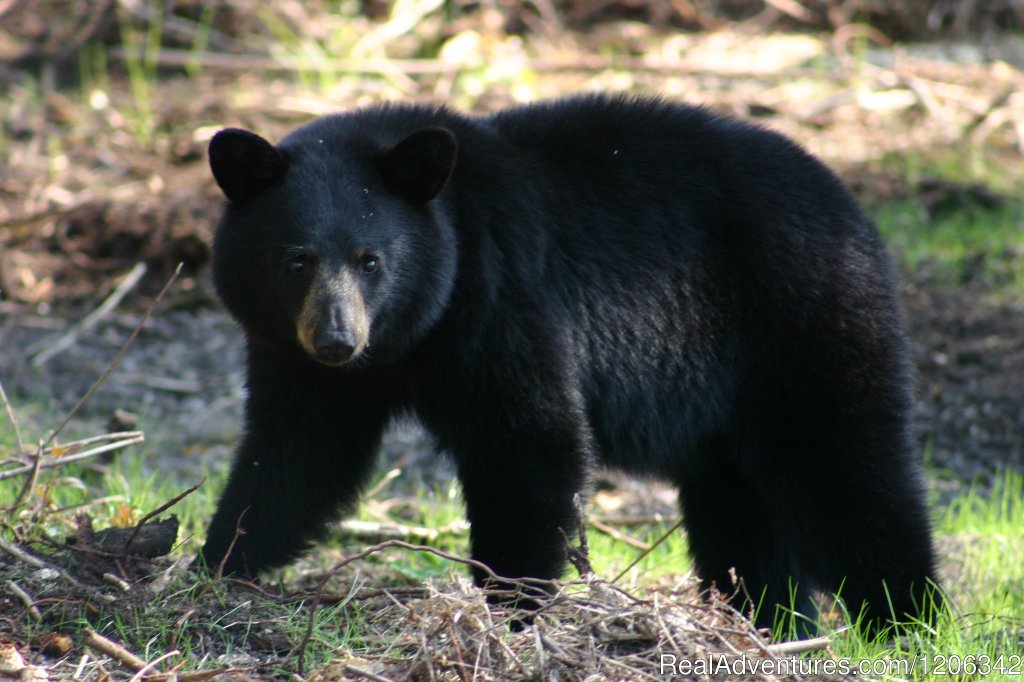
column 970, row 359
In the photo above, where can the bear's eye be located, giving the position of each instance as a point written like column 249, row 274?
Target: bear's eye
column 298, row 262
column 369, row 264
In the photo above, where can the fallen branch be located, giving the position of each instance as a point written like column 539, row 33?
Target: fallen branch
column 181, row 28
column 117, row 582
column 127, row 283
column 13, row 221
column 360, row 672
column 377, row 530
column 125, row 438
column 620, row 536
column 634, row 520
column 802, row 646
column 21, row 555
column 117, row 358
column 169, row 384
column 30, row 606
column 156, row 512
column 373, row 593
column 793, row 9
column 201, row 675
column 101, row 644
column 385, row 480
column 579, row 555
column 156, row 539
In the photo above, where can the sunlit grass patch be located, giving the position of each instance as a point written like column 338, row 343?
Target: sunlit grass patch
column 965, row 242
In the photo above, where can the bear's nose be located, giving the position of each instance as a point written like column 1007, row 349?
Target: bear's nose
column 334, row 346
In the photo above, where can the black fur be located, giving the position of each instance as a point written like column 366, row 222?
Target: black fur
column 632, row 282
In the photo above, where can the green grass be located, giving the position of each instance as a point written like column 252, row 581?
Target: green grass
column 981, row 540
column 965, row 163
column 117, row 493
column 143, row 50
column 969, row 244
column 964, row 223
column 988, row 530
column 610, row 557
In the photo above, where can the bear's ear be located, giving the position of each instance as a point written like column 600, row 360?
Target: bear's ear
column 243, row 163
column 419, row 166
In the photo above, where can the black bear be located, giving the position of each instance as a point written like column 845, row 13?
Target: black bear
column 597, row 280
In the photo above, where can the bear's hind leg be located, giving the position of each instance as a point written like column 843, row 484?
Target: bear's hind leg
column 735, row 532
column 874, row 550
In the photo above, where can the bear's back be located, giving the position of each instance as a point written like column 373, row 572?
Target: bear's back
column 678, row 228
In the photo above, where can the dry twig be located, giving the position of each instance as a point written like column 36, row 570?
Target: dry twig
column 117, row 358
column 802, row 646
column 620, row 536
column 120, row 440
column 655, row 544
column 21, row 555
column 142, row 673
column 30, row 482
column 13, row 418
column 377, row 530
column 30, row 606
column 156, row 512
column 322, row 586
column 239, row 532
column 360, row 672
column 579, row 556
column 101, row 644
column 793, row 9
column 127, row 283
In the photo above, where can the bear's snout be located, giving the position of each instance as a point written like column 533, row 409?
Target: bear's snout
column 333, row 326
column 334, row 346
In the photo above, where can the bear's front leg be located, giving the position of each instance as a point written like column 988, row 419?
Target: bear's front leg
column 310, row 440
column 519, row 501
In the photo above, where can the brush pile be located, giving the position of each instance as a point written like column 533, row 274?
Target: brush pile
column 591, row 630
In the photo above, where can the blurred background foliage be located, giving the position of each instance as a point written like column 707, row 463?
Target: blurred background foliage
column 106, row 105
column 54, row 29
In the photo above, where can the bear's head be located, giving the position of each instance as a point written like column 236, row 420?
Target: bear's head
column 335, row 240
